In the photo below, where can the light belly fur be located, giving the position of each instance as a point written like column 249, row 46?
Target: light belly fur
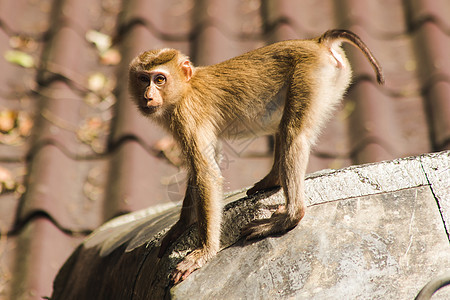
column 263, row 122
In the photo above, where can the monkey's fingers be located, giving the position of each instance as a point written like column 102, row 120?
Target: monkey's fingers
column 180, row 275
column 189, row 264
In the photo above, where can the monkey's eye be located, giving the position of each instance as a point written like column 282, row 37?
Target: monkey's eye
column 159, row 79
column 143, row 78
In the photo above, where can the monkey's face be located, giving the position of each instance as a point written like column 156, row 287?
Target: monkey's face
column 158, row 79
column 150, row 89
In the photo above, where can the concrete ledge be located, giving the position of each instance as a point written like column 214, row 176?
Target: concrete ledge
column 375, row 231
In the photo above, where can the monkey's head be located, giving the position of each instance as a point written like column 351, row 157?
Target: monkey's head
column 158, row 78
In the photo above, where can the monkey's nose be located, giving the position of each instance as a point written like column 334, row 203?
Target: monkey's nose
column 149, row 102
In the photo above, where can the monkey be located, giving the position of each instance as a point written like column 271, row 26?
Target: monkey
column 287, row 89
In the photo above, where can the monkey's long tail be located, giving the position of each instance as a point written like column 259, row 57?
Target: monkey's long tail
column 352, row 38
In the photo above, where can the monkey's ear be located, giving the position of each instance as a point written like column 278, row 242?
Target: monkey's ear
column 187, row 69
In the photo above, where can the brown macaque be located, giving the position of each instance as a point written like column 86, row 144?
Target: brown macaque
column 288, row 89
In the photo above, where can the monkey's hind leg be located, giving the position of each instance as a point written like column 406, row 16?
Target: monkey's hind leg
column 293, row 165
column 294, row 138
column 272, row 179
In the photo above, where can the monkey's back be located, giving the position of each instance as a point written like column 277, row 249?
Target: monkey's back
column 250, row 89
column 252, row 86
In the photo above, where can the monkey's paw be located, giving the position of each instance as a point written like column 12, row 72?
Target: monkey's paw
column 193, row 261
column 279, row 222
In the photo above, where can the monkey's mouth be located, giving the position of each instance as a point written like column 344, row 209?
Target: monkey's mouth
column 148, row 109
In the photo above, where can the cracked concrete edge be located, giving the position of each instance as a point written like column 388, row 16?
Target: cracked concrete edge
column 370, row 179
column 436, row 167
column 388, row 176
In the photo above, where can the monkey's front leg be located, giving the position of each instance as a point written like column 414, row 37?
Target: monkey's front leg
column 187, row 218
column 207, row 190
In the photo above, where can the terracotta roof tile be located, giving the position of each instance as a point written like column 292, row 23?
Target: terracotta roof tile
column 78, row 152
column 411, row 120
column 234, row 19
column 400, row 65
column 218, row 37
column 34, row 16
column 242, row 169
column 373, row 122
column 382, row 19
column 438, row 103
column 56, row 185
column 59, row 120
column 432, row 46
column 168, row 19
column 143, row 26
column 36, row 254
column 138, row 179
column 434, row 11
column 12, row 187
column 295, row 19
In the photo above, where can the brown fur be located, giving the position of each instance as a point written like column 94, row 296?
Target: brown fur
column 288, row 89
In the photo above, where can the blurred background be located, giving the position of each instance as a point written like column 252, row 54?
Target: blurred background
column 74, row 151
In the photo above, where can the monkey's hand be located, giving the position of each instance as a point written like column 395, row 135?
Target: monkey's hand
column 193, row 261
column 171, row 236
column 280, row 222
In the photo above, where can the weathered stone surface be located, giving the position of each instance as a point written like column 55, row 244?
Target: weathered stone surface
column 371, row 232
column 372, row 179
column 383, row 246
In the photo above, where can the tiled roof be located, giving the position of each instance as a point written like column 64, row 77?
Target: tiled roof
column 75, row 152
